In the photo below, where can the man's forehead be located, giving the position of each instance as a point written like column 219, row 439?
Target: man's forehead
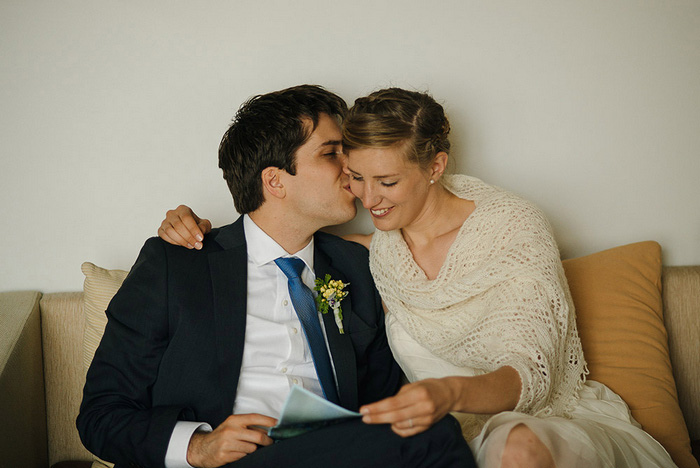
column 327, row 129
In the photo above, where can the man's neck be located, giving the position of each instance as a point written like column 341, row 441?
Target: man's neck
column 289, row 235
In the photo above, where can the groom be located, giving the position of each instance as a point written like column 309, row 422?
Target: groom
column 202, row 348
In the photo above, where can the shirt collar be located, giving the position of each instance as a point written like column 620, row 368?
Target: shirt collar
column 263, row 249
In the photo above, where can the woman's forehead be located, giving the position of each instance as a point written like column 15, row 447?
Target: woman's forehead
column 383, row 159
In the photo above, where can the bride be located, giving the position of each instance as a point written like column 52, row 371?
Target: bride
column 478, row 311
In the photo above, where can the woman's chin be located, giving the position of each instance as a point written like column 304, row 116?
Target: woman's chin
column 384, row 224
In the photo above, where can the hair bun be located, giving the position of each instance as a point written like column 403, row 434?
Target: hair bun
column 445, row 129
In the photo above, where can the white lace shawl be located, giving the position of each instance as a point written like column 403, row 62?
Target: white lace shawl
column 500, row 298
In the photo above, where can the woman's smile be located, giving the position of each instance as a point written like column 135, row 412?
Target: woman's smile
column 380, row 212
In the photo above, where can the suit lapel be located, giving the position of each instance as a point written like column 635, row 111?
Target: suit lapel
column 229, row 273
column 342, row 351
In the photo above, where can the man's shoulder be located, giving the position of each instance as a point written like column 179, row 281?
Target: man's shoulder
column 157, row 246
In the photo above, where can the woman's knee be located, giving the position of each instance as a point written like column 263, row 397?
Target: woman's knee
column 524, row 449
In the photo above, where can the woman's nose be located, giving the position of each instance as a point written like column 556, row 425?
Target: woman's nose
column 369, row 197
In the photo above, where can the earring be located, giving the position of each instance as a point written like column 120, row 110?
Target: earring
column 432, row 181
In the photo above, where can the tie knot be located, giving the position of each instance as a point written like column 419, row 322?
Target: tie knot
column 291, row 266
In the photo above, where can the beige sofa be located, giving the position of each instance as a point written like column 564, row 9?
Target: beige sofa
column 42, row 370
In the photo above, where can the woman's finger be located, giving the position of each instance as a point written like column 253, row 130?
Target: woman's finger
column 204, row 225
column 408, row 432
column 170, row 235
column 188, row 228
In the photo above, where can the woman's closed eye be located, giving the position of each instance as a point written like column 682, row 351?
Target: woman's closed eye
column 361, row 179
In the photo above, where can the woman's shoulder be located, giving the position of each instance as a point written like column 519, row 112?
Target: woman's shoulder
column 500, row 214
column 492, row 198
column 362, row 239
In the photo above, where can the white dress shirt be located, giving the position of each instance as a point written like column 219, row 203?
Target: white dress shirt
column 276, row 354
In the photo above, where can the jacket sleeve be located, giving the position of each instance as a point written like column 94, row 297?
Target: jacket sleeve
column 117, row 421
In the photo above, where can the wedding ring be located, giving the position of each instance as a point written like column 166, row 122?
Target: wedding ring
column 410, row 422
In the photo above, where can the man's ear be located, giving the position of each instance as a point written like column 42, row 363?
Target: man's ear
column 272, row 182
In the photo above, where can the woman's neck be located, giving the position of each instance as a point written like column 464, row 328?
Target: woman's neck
column 443, row 213
column 431, row 237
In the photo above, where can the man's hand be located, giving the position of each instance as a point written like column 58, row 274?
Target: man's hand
column 182, row 227
column 415, row 408
column 231, row 441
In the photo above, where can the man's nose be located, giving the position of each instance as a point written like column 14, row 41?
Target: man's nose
column 341, row 161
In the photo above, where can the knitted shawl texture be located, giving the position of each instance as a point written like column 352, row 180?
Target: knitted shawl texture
column 500, row 298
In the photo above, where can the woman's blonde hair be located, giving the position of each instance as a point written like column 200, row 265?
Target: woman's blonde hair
column 395, row 116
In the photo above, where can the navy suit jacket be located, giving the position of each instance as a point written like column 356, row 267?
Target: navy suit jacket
column 173, row 345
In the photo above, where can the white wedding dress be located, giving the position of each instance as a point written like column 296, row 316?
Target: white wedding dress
column 600, row 433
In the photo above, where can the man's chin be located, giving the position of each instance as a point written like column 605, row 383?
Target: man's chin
column 346, row 213
column 338, row 220
column 349, row 214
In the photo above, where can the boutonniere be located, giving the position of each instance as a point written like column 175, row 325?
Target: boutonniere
column 330, row 293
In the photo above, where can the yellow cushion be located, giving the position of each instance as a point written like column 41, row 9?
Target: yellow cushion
column 617, row 294
column 99, row 287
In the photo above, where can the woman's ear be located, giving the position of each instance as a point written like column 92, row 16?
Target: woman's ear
column 272, row 182
column 438, row 166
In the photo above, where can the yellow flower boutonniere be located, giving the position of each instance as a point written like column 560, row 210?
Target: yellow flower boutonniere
column 330, row 293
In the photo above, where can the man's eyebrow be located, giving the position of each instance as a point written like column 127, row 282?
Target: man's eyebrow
column 330, row 143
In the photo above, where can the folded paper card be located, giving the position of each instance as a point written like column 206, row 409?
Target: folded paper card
column 304, row 411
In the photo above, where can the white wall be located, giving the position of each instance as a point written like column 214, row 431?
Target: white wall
column 111, row 112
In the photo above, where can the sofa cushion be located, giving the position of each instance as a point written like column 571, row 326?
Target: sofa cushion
column 99, row 287
column 617, row 294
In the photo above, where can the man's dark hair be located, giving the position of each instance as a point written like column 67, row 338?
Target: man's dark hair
column 267, row 131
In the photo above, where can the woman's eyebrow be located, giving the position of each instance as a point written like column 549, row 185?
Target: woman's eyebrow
column 374, row 177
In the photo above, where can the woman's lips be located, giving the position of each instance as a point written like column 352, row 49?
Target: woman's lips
column 380, row 212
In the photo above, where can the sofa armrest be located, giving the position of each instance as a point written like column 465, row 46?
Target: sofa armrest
column 23, row 431
column 681, row 296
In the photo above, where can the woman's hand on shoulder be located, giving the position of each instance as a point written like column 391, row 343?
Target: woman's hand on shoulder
column 363, row 239
column 183, row 227
column 415, row 408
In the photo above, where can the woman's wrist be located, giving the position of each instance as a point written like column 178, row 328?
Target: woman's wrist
column 457, row 388
column 484, row 394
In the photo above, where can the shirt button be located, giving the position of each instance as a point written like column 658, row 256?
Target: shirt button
column 284, row 370
column 285, row 303
column 295, row 381
column 295, row 331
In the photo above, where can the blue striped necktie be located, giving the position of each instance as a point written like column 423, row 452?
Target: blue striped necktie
column 305, row 307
